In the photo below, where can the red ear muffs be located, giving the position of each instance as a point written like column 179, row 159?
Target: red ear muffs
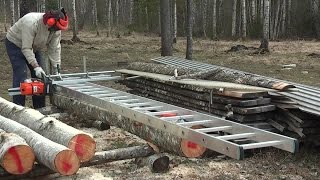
column 63, row 24
column 51, row 21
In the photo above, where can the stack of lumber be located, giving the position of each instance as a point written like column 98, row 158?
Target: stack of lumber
column 241, row 103
column 26, row 135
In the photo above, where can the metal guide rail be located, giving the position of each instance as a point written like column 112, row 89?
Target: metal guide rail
column 217, row 134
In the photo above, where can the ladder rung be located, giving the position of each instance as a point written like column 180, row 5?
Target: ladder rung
column 214, row 129
column 261, row 144
column 115, row 97
column 105, row 95
column 161, row 112
column 147, row 108
column 128, row 100
column 137, row 104
column 236, row 136
column 194, row 123
column 77, row 88
column 177, row 117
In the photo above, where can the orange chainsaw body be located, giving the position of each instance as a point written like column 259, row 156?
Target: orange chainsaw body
column 33, row 87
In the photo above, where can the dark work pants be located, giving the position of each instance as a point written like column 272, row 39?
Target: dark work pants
column 19, row 67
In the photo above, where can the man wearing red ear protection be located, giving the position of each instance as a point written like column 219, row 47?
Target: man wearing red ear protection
column 24, row 41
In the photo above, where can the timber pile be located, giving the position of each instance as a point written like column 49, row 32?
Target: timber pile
column 245, row 104
column 27, row 134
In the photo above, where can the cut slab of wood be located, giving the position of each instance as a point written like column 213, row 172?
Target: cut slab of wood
column 53, row 155
column 82, row 143
column 16, row 156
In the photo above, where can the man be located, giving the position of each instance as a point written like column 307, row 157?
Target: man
column 30, row 34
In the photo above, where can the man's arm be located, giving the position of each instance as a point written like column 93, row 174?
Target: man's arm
column 27, row 37
column 54, row 50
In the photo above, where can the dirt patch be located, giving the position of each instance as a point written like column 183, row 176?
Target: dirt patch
column 105, row 54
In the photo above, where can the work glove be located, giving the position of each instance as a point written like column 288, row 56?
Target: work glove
column 39, row 72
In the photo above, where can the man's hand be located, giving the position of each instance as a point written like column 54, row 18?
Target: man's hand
column 39, row 72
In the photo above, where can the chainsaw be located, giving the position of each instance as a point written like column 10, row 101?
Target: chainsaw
column 46, row 85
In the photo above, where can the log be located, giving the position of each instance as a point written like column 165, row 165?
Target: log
column 82, row 143
column 101, row 126
column 160, row 138
column 157, row 163
column 55, row 156
column 16, row 156
column 49, row 110
column 99, row 158
column 220, row 74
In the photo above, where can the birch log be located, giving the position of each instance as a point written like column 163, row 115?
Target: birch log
column 16, row 156
column 216, row 74
column 162, row 139
column 55, row 156
column 82, row 143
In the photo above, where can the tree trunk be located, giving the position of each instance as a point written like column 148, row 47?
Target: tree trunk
column 234, row 18
column 147, row 18
column 175, row 22
column 204, row 17
column 59, row 4
column 13, row 17
column 214, row 19
column 95, row 16
column 262, row 10
column 55, row 156
column 163, row 139
column 189, row 29
column 109, row 17
column 243, row 19
column 253, row 11
column 266, row 24
column 276, row 21
column 284, row 17
column 82, row 143
column 315, row 13
column 5, row 15
column 131, row 11
column 43, row 5
column 24, row 7
column 16, row 156
column 117, row 13
column 166, row 37
column 289, row 16
column 74, row 22
column 18, row 9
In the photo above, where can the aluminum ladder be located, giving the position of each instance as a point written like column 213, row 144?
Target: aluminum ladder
column 149, row 112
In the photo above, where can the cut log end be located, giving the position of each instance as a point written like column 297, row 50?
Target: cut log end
column 18, row 160
column 158, row 163
column 67, row 162
column 84, row 146
column 191, row 149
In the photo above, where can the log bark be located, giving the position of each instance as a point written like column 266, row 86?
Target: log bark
column 16, row 156
column 55, row 156
column 218, row 74
column 82, row 143
column 99, row 158
column 162, row 139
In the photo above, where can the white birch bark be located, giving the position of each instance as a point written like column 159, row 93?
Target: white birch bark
column 18, row 9
column 214, row 19
column 243, row 19
column 284, row 17
column 175, row 21
column 266, row 22
column 95, row 16
column 234, row 18
column 43, row 6
column 13, row 17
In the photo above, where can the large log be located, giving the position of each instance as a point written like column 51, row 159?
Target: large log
column 55, row 156
column 216, row 74
column 99, row 158
column 16, row 156
column 163, row 139
column 82, row 143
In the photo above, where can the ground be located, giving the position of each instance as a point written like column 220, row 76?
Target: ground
column 105, row 53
